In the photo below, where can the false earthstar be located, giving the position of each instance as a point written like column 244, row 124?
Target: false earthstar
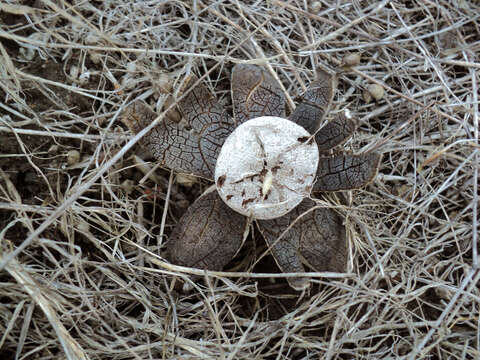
column 265, row 168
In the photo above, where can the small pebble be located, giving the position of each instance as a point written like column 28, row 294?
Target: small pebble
column 185, row 180
column 443, row 293
column 82, row 226
column 127, row 186
column 366, row 96
column 131, row 67
column 84, row 77
column 95, row 57
column 53, row 149
column 74, row 71
column 91, row 39
column 164, row 84
column 316, row 7
column 127, row 82
column 376, row 91
column 351, row 59
column 73, row 157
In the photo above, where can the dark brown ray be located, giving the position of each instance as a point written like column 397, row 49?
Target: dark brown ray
column 315, row 102
column 335, row 132
column 208, row 236
column 255, row 93
column 346, row 172
column 317, row 239
column 191, row 146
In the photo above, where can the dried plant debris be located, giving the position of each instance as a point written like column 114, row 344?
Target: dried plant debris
column 266, row 167
column 84, row 267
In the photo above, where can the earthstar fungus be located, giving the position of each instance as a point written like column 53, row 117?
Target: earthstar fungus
column 266, row 172
column 266, row 167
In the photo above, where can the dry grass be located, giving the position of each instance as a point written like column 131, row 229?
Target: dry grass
column 81, row 241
